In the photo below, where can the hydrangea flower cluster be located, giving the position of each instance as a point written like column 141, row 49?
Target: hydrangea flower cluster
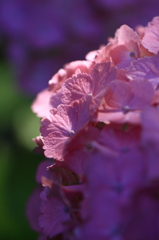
column 40, row 36
column 100, row 136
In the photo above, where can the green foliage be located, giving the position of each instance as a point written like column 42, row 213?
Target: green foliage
column 18, row 125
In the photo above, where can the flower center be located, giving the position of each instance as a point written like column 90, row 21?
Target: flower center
column 126, row 109
column 132, row 54
column 72, row 132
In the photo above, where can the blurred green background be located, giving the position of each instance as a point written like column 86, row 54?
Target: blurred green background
column 18, row 161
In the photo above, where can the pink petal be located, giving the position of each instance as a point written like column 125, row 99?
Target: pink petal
column 125, row 100
column 83, row 84
column 119, row 94
column 145, row 69
column 125, row 34
column 76, row 87
column 151, row 37
column 64, row 122
column 78, row 150
column 122, row 49
column 143, row 94
column 122, row 55
column 55, row 99
column 69, row 69
column 41, row 104
column 114, row 137
column 102, row 74
column 132, row 117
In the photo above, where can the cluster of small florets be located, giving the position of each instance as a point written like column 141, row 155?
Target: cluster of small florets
column 100, row 135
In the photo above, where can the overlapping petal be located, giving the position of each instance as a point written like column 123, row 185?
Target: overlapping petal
column 121, row 50
column 119, row 138
column 151, row 37
column 64, row 122
column 146, row 68
column 53, row 214
column 125, row 100
column 94, row 84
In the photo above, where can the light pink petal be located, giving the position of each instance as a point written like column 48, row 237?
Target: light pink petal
column 45, row 101
column 41, row 104
column 39, row 148
column 122, row 55
column 119, row 54
column 125, row 100
column 125, row 34
column 64, row 123
column 151, row 37
column 64, row 73
column 71, row 67
column 56, row 131
column 102, row 55
column 57, row 79
column 140, row 30
column 91, row 55
column 95, row 85
column 76, row 87
column 121, row 50
column 132, row 117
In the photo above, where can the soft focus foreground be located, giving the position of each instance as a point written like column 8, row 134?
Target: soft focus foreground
column 99, row 137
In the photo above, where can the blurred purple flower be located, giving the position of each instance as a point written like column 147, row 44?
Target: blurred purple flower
column 40, row 36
